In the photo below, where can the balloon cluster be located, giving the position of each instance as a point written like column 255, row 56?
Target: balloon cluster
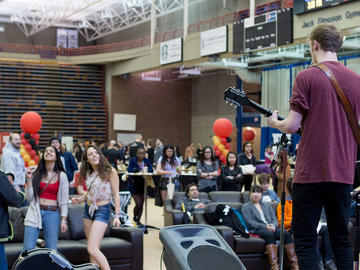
column 30, row 123
column 222, row 128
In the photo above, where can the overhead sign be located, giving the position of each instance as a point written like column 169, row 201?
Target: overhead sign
column 263, row 31
column 213, row 41
column 303, row 6
column 171, row 51
column 343, row 17
column 73, row 40
column 61, row 38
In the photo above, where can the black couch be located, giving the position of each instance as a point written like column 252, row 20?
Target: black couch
column 123, row 247
column 174, row 216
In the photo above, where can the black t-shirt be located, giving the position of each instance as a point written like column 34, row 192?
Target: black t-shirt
column 113, row 155
column 134, row 147
column 151, row 153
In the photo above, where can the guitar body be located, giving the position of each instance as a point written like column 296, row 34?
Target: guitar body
column 47, row 259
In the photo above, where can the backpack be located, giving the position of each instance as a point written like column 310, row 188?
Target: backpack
column 226, row 216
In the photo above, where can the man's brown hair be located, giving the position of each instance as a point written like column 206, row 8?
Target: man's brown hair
column 329, row 37
column 264, row 178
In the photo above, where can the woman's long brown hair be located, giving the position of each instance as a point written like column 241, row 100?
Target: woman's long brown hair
column 104, row 168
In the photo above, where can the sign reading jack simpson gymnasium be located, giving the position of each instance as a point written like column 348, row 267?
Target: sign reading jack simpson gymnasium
column 343, row 17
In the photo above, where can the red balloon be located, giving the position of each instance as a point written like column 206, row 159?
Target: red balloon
column 36, row 158
column 22, row 134
column 222, row 158
column 227, row 146
column 218, row 153
column 249, row 134
column 216, row 147
column 37, row 141
column 32, row 154
column 222, row 127
column 36, row 136
column 223, row 141
column 24, row 142
column 31, row 122
column 28, row 147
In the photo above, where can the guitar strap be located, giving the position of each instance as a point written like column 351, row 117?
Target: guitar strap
column 350, row 114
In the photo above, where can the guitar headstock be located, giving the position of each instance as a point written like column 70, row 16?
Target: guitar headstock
column 236, row 96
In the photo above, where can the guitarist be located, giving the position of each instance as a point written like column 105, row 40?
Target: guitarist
column 325, row 163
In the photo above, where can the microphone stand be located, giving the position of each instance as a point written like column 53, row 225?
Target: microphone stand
column 282, row 151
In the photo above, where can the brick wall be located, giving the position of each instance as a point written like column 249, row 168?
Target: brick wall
column 163, row 109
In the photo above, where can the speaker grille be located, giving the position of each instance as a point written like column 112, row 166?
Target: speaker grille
column 211, row 258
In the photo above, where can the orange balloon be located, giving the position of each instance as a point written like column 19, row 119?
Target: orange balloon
column 31, row 163
column 26, row 157
column 217, row 142
column 221, row 147
column 22, row 151
column 225, row 152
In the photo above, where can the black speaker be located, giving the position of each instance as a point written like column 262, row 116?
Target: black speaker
column 197, row 247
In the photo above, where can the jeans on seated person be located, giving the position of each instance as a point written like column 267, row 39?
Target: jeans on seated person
column 3, row 261
column 50, row 226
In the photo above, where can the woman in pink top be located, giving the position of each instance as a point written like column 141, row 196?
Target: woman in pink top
column 102, row 182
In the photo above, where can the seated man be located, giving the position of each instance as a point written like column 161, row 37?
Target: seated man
column 192, row 202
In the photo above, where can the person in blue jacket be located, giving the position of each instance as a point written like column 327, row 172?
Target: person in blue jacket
column 68, row 162
column 136, row 183
column 8, row 197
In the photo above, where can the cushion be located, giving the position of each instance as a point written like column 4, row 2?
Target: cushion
column 74, row 251
column 75, row 221
column 245, row 196
column 114, row 248
column 249, row 246
column 225, row 196
column 17, row 220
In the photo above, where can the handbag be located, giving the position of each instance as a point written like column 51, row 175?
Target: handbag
column 248, row 169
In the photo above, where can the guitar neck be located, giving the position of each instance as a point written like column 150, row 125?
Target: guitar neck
column 261, row 109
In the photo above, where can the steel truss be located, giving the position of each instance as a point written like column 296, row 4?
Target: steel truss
column 92, row 18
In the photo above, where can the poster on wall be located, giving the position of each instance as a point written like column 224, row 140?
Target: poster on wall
column 73, row 41
column 213, row 41
column 61, row 38
column 171, row 51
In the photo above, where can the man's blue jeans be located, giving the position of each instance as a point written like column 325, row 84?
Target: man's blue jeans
column 3, row 262
column 50, row 225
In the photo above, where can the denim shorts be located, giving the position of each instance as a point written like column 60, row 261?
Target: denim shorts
column 102, row 214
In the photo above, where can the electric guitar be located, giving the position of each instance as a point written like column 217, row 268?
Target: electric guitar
column 238, row 97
